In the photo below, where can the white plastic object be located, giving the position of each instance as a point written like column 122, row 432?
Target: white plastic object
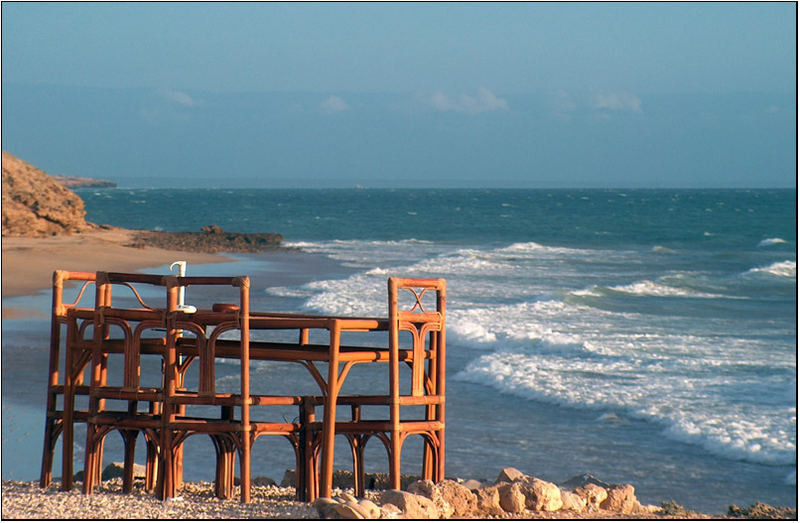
column 189, row 309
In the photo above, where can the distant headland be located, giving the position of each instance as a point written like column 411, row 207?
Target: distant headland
column 81, row 182
column 36, row 204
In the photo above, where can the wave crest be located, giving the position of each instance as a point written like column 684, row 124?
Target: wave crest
column 771, row 241
column 784, row 269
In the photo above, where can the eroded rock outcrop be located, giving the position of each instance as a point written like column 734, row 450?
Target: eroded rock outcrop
column 35, row 205
column 212, row 238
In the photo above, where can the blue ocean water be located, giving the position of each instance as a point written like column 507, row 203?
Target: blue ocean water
column 645, row 336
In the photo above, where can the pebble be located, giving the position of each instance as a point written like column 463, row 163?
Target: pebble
column 25, row 500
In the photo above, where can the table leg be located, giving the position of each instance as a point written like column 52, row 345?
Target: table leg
column 329, row 421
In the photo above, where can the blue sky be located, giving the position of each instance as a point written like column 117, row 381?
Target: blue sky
column 485, row 92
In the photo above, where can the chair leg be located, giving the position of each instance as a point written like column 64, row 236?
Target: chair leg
column 298, row 442
column 90, row 460
column 51, row 432
column 306, row 477
column 220, row 465
column 129, row 436
column 357, row 444
column 230, row 467
column 223, row 479
column 439, row 476
column 66, row 445
column 166, row 480
column 98, row 469
column 178, row 460
column 428, row 460
column 394, row 460
column 312, row 460
column 151, row 467
column 244, row 465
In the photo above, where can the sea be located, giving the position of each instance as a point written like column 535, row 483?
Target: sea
column 642, row 336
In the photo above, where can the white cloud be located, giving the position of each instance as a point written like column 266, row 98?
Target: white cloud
column 178, row 97
column 484, row 101
column 618, row 102
column 334, row 104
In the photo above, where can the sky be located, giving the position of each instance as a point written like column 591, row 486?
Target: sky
column 383, row 94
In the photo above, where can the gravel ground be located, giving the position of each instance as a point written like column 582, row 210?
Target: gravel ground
column 25, row 500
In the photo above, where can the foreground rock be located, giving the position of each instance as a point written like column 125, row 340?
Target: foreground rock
column 210, row 239
column 35, row 205
column 515, row 495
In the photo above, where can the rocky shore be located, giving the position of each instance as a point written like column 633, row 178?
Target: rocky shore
column 211, row 239
column 513, row 495
column 37, row 205
column 44, row 228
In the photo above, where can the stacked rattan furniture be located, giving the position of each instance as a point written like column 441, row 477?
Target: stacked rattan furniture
column 165, row 408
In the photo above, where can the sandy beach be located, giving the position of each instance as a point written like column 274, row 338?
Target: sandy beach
column 28, row 263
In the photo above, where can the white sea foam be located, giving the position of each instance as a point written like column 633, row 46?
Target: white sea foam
column 651, row 288
column 662, row 249
column 510, row 328
column 647, row 390
column 771, row 241
column 533, row 247
column 289, row 292
column 367, row 254
column 784, row 269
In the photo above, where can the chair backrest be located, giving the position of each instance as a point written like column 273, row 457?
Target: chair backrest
column 60, row 308
column 220, row 319
column 58, row 316
column 422, row 321
column 132, row 321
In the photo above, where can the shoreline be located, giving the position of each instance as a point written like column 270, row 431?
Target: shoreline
column 28, row 263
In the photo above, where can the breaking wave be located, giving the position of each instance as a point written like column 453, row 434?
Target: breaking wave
column 784, row 269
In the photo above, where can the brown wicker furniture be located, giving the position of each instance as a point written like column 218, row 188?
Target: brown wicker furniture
column 199, row 337
column 417, row 338
column 60, row 420
column 115, row 398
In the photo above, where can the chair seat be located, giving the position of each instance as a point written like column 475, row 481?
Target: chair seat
column 366, row 425
column 128, row 394
column 277, row 427
column 126, row 420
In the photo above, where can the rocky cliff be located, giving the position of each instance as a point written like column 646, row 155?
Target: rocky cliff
column 34, row 204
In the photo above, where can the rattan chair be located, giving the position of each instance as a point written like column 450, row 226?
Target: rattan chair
column 416, row 338
column 186, row 409
column 62, row 388
column 116, row 396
